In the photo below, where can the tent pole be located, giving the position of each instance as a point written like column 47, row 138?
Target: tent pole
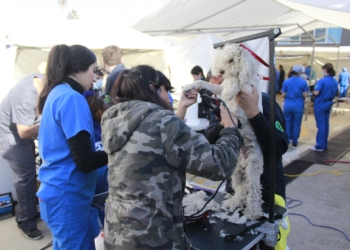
column 337, row 59
column 311, row 67
column 311, row 64
column 287, row 66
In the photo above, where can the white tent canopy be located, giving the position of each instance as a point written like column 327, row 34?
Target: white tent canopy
column 237, row 18
column 34, row 27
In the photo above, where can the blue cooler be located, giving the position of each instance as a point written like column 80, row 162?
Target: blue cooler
column 6, row 203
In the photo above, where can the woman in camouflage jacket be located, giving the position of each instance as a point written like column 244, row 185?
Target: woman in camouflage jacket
column 150, row 149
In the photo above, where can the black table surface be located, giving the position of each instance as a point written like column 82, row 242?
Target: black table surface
column 204, row 238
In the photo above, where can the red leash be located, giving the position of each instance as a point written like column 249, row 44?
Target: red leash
column 257, row 58
column 254, row 55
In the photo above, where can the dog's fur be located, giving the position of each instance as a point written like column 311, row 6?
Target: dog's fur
column 239, row 70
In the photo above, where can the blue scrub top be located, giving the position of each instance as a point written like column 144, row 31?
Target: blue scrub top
column 65, row 114
column 294, row 87
column 328, row 88
column 344, row 79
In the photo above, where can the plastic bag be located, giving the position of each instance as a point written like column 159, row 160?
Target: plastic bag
column 99, row 241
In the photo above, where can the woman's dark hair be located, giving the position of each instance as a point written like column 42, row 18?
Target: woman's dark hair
column 100, row 72
column 329, row 68
column 64, row 60
column 196, row 70
column 163, row 80
column 96, row 105
column 134, row 84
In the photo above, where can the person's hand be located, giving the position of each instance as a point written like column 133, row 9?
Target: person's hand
column 226, row 121
column 188, row 98
column 249, row 101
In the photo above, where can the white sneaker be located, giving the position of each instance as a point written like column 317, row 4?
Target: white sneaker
column 313, row 148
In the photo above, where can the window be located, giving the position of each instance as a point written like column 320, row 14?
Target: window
column 335, row 33
column 290, row 40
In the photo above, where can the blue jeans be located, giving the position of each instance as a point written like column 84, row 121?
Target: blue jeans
column 322, row 123
column 70, row 229
column 343, row 91
column 293, row 116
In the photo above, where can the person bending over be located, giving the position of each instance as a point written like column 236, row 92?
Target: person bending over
column 150, row 150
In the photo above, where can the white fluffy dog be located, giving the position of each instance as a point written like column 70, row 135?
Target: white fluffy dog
column 239, row 70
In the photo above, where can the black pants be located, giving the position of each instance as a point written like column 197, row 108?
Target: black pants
column 22, row 161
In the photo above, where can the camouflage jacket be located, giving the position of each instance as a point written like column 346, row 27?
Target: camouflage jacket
column 149, row 150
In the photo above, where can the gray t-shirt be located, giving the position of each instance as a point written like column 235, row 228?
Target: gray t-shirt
column 18, row 107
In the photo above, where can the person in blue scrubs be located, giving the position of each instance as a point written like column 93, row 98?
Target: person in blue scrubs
column 325, row 90
column 294, row 91
column 344, row 79
column 66, row 144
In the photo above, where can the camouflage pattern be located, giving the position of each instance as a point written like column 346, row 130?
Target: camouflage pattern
column 149, row 150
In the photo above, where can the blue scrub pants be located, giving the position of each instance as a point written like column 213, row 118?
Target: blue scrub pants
column 101, row 187
column 343, row 91
column 70, row 229
column 293, row 116
column 322, row 123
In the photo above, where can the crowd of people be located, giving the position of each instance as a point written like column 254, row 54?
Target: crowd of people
column 114, row 129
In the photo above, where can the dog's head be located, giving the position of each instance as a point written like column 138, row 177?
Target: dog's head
column 235, row 61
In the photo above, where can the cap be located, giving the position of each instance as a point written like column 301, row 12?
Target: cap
column 297, row 68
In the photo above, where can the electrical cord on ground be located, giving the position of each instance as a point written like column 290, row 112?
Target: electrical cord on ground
column 288, row 205
column 47, row 246
column 336, row 172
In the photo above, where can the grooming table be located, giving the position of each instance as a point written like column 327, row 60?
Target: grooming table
column 205, row 235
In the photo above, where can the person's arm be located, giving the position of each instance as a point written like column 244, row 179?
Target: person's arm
column 306, row 90
column 248, row 100
column 187, row 99
column 74, row 117
column 192, row 153
column 212, row 133
column 26, row 132
column 23, row 114
column 83, row 155
column 317, row 87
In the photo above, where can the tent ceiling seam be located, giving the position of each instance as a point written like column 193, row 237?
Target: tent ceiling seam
column 230, row 7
